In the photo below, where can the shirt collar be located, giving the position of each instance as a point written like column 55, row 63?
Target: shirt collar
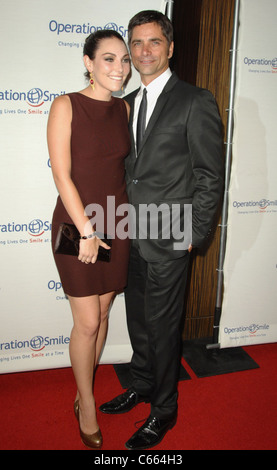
column 156, row 86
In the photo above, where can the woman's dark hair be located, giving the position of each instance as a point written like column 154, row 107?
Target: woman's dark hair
column 92, row 42
column 151, row 16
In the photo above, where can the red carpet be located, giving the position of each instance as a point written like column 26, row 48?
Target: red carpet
column 234, row 411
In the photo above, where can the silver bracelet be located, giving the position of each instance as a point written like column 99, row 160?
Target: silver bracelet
column 92, row 235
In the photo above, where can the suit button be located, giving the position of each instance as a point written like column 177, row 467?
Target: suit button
column 135, row 181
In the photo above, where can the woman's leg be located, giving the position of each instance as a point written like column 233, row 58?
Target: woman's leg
column 87, row 337
column 105, row 303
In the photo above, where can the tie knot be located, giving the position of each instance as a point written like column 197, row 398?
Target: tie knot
column 144, row 93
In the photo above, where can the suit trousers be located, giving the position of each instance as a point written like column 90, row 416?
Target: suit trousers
column 154, row 305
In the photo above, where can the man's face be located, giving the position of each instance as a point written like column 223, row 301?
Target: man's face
column 150, row 51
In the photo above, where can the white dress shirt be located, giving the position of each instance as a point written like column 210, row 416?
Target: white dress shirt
column 154, row 90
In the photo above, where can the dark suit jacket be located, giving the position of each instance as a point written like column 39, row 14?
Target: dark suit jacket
column 180, row 162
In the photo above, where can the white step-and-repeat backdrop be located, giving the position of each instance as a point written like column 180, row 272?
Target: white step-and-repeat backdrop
column 249, row 311
column 41, row 58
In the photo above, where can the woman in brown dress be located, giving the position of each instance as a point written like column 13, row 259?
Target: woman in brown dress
column 88, row 141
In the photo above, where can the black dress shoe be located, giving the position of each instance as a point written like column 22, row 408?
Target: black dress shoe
column 150, row 433
column 123, row 403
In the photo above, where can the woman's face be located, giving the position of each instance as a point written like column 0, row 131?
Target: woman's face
column 111, row 65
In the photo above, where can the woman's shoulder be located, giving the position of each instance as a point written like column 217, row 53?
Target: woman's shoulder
column 61, row 106
column 62, row 100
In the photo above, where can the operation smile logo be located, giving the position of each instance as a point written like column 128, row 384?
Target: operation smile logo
column 261, row 65
column 35, row 228
column 85, row 28
column 37, row 347
column 63, row 30
column 34, row 98
column 259, row 205
column 16, row 233
column 252, row 329
column 36, row 344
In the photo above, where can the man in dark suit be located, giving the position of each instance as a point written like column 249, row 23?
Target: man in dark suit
column 175, row 164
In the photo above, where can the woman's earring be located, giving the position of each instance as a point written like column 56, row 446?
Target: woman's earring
column 91, row 81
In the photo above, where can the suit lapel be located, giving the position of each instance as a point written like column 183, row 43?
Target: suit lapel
column 161, row 102
column 155, row 115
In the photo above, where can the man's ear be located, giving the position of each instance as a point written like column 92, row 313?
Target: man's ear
column 171, row 49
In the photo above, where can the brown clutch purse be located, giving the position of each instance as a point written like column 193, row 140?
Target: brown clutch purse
column 67, row 243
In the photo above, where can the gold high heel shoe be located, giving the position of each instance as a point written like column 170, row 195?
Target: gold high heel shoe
column 93, row 441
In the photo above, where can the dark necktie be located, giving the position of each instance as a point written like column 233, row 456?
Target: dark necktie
column 141, row 119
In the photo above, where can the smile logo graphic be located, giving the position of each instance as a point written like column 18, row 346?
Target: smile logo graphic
column 36, row 228
column 34, row 97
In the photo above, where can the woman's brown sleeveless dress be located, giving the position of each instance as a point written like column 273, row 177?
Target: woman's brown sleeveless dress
column 99, row 144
